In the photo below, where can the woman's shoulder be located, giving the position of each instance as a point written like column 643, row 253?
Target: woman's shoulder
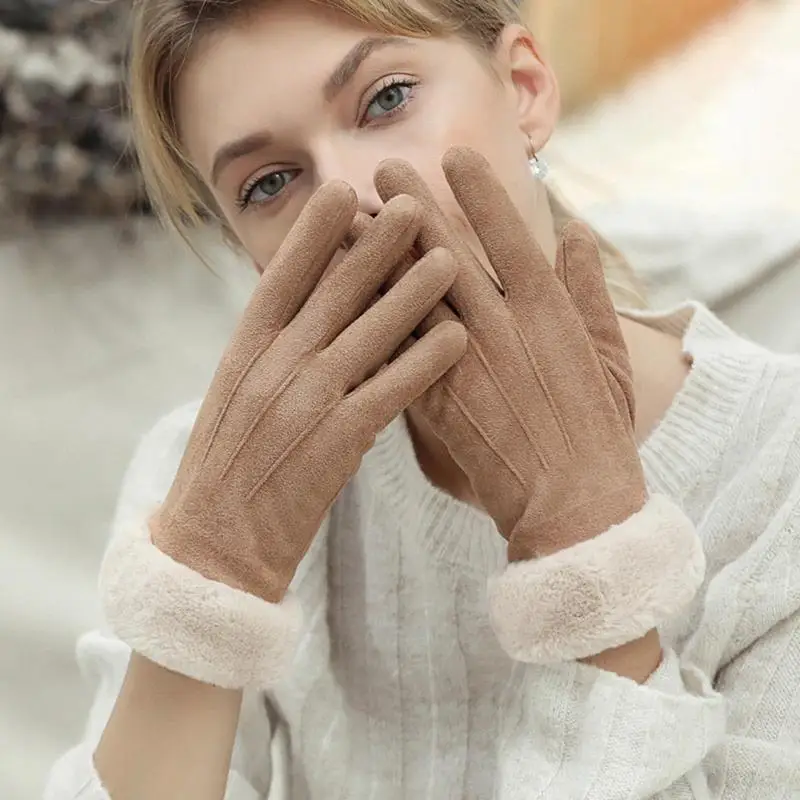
column 735, row 382
column 735, row 419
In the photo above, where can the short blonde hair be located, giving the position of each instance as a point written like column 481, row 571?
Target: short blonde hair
column 164, row 33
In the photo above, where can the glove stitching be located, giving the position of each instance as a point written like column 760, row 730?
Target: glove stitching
column 266, row 407
column 472, row 421
column 550, row 402
column 292, row 447
column 493, row 375
column 229, row 399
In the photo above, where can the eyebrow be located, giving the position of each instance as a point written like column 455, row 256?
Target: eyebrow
column 358, row 54
column 238, row 149
column 343, row 73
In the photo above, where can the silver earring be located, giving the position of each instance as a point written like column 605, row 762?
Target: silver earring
column 539, row 166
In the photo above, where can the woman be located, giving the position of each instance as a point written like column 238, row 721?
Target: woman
column 430, row 390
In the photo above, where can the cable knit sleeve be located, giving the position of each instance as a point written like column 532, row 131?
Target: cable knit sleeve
column 103, row 659
column 720, row 717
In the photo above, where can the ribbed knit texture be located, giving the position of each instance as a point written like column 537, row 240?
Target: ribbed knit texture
column 400, row 689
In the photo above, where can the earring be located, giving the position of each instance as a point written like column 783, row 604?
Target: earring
column 538, row 165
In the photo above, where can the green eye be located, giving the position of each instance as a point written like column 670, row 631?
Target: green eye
column 271, row 185
column 267, row 188
column 389, row 99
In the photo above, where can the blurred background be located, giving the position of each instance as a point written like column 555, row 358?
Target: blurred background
column 681, row 143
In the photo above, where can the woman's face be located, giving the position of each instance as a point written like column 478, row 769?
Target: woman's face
column 300, row 95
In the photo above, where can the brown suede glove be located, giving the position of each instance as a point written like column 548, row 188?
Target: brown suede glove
column 539, row 413
column 298, row 398
column 287, row 420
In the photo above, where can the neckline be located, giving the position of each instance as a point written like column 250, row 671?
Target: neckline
column 450, row 530
column 695, row 431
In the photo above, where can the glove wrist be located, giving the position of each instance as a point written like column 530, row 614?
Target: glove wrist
column 535, row 535
column 190, row 624
column 602, row 593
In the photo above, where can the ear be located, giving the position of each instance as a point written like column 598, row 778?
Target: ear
column 531, row 82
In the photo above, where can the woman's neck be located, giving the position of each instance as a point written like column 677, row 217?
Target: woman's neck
column 659, row 368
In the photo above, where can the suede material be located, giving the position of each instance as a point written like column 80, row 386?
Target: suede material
column 539, row 413
column 301, row 393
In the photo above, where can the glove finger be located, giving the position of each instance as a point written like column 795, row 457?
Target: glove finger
column 440, row 313
column 347, row 289
column 405, row 345
column 473, row 295
column 584, row 280
column 530, row 285
column 290, row 278
column 370, row 341
column 359, row 227
column 384, row 396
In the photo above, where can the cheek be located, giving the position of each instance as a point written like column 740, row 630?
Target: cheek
column 260, row 242
column 483, row 120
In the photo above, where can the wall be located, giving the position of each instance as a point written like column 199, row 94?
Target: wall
column 595, row 45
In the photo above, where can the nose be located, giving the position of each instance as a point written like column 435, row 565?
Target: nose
column 353, row 166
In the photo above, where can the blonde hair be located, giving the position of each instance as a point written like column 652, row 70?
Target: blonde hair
column 164, row 33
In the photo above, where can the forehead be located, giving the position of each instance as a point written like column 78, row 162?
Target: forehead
column 238, row 71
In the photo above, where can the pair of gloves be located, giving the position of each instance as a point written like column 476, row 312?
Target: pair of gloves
column 529, row 387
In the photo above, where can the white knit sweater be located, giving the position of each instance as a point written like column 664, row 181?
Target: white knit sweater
column 400, row 689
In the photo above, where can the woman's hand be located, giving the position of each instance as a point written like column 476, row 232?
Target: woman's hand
column 306, row 384
column 539, row 413
column 296, row 401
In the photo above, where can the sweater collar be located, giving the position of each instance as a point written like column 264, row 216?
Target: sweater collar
column 689, row 442
column 452, row 531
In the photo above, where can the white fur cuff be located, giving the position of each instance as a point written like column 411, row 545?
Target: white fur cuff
column 602, row 593
column 191, row 625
